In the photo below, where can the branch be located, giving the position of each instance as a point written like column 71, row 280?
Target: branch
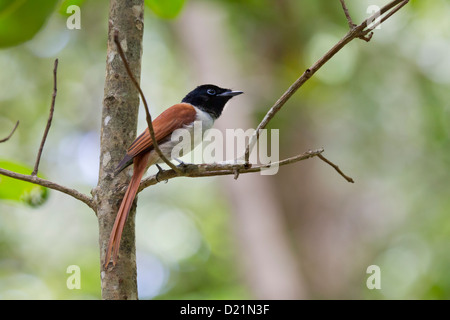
column 349, row 179
column 204, row 170
column 393, row 7
column 390, row 9
column 354, row 32
column 10, row 135
column 49, row 122
column 33, row 178
column 208, row 170
column 147, row 112
column 49, row 184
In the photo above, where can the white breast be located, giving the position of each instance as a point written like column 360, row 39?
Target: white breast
column 185, row 139
column 205, row 118
column 202, row 122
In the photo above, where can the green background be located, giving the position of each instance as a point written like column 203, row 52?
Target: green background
column 379, row 109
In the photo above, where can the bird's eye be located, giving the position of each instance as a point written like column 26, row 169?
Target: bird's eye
column 211, row 92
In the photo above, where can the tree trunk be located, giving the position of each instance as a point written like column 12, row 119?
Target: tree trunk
column 118, row 130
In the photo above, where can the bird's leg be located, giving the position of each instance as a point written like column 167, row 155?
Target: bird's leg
column 179, row 161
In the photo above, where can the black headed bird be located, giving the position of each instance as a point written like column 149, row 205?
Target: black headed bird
column 205, row 104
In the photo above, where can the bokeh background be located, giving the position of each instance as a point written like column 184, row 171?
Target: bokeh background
column 379, row 109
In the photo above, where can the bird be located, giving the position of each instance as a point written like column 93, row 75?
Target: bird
column 204, row 104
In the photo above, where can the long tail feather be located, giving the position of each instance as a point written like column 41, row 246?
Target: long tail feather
column 140, row 165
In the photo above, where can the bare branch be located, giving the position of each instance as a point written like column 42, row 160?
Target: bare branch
column 49, row 121
column 49, row 184
column 10, row 135
column 355, row 32
column 33, row 178
column 208, row 170
column 349, row 179
column 144, row 101
column 191, row 170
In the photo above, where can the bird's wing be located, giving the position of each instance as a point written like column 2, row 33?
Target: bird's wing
column 173, row 118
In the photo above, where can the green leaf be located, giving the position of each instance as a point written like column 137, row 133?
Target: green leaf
column 67, row 3
column 167, row 9
column 20, row 20
column 18, row 190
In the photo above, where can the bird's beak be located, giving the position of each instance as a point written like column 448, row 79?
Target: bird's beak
column 230, row 93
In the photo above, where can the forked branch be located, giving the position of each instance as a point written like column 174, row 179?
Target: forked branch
column 33, row 178
column 356, row 31
column 203, row 170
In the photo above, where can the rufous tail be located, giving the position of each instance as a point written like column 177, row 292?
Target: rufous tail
column 139, row 168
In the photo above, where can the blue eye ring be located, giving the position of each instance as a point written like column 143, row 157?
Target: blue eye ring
column 211, row 92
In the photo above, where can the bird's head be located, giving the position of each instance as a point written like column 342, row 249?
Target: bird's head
column 210, row 98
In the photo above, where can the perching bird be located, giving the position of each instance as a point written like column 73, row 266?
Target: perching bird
column 204, row 104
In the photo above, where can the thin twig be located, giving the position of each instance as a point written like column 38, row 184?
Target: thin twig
column 49, row 184
column 387, row 16
column 349, row 179
column 12, row 132
column 355, row 32
column 144, row 101
column 347, row 15
column 49, row 122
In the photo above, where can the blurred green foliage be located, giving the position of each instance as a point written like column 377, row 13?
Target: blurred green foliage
column 17, row 190
column 20, row 20
column 67, row 3
column 167, row 9
column 380, row 110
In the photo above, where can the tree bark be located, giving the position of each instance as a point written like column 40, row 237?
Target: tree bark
column 118, row 130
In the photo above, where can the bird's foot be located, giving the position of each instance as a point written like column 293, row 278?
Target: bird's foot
column 181, row 163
